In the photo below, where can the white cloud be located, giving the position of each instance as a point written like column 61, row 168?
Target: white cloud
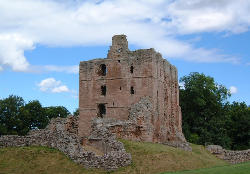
column 12, row 48
column 147, row 23
column 233, row 90
column 53, row 86
column 192, row 16
column 59, row 89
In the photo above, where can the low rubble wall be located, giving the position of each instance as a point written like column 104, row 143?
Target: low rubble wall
column 232, row 157
column 61, row 134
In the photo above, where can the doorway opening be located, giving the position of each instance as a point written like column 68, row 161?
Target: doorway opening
column 101, row 110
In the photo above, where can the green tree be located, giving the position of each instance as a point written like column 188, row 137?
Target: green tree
column 76, row 113
column 9, row 112
column 16, row 117
column 56, row 111
column 32, row 116
column 238, row 126
column 202, row 102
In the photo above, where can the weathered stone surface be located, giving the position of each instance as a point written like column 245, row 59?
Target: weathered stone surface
column 138, row 89
column 179, row 144
column 214, row 149
column 233, row 157
column 61, row 134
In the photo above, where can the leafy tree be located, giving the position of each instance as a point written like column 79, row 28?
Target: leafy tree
column 202, row 102
column 9, row 112
column 238, row 125
column 16, row 117
column 32, row 116
column 76, row 113
column 56, row 111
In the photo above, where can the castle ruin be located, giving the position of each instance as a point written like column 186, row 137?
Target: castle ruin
column 133, row 93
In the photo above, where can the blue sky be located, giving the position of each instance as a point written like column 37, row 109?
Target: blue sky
column 42, row 42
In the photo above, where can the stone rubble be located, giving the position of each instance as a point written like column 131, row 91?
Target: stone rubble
column 138, row 127
column 231, row 156
column 61, row 134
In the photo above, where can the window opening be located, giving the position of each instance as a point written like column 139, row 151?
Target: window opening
column 103, row 70
column 103, row 90
column 132, row 91
column 101, row 110
column 131, row 69
column 120, row 88
column 119, row 61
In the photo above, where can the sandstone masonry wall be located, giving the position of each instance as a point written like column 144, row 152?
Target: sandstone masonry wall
column 120, row 83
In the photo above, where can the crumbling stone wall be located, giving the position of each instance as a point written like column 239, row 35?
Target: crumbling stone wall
column 138, row 127
column 233, row 157
column 128, row 77
column 60, row 134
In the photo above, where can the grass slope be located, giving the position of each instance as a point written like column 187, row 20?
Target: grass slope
column 147, row 158
column 243, row 168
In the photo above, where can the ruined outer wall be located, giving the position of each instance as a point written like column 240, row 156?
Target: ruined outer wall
column 61, row 134
column 230, row 156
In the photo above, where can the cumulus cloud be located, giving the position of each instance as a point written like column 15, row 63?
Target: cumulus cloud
column 192, row 16
column 233, row 90
column 12, row 47
column 147, row 23
column 53, row 86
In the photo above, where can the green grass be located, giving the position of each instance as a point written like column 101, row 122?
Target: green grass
column 243, row 168
column 147, row 158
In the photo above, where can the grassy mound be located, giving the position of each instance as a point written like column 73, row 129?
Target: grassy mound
column 243, row 168
column 156, row 158
column 147, row 158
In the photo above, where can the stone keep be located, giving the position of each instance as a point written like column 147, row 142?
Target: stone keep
column 136, row 90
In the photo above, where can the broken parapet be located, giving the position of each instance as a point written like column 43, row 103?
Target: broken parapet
column 230, row 156
column 60, row 134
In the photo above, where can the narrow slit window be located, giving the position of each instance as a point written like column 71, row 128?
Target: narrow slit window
column 131, row 69
column 103, row 70
column 101, row 110
column 103, row 90
column 132, row 91
column 120, row 88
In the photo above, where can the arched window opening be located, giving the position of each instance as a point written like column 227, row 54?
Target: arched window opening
column 101, row 110
column 103, row 70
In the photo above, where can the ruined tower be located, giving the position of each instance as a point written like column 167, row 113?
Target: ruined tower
column 136, row 89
